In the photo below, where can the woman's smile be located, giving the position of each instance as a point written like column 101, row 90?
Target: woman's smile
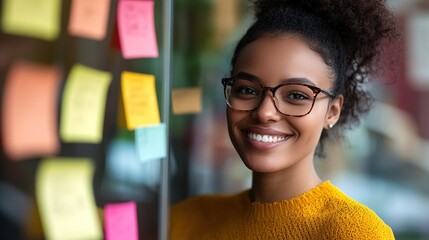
column 265, row 138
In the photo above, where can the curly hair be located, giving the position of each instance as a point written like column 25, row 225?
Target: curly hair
column 346, row 33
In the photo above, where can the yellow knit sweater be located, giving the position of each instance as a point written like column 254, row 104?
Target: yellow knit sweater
column 321, row 213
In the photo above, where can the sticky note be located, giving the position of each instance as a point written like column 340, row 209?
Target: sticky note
column 65, row 199
column 121, row 221
column 38, row 19
column 83, row 106
column 151, row 142
column 29, row 125
column 139, row 98
column 136, row 28
column 186, row 100
column 89, row 18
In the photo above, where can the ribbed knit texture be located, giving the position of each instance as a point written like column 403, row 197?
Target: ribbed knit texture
column 321, row 213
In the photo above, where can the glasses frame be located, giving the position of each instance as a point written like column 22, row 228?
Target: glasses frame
column 316, row 91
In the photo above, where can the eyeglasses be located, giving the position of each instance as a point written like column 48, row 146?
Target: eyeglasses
column 291, row 99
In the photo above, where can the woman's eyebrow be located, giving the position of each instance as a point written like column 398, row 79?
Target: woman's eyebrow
column 247, row 76
column 299, row 80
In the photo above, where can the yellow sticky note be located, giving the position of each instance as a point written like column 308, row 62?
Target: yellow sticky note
column 29, row 111
column 84, row 103
column 31, row 18
column 66, row 200
column 140, row 101
column 89, row 18
column 186, row 100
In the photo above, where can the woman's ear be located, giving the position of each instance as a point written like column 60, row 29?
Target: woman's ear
column 334, row 111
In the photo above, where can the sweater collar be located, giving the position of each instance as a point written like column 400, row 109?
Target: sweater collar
column 313, row 197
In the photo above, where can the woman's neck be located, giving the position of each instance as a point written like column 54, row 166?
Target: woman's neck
column 284, row 185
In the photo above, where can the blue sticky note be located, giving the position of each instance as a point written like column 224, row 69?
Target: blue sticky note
column 151, row 142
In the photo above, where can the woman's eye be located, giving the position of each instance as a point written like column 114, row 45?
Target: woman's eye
column 297, row 96
column 246, row 91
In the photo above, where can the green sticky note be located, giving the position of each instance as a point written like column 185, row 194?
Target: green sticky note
column 151, row 142
column 32, row 18
column 83, row 106
column 65, row 199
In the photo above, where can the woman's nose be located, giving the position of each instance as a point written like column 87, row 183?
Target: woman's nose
column 267, row 110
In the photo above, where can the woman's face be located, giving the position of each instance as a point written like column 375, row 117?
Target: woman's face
column 273, row 61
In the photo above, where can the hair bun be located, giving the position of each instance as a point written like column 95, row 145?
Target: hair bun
column 360, row 23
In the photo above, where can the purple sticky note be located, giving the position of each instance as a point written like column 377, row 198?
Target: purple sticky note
column 136, row 29
column 120, row 220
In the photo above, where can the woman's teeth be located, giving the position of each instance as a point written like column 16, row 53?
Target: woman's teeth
column 265, row 138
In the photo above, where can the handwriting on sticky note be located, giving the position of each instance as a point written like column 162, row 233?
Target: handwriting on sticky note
column 66, row 200
column 84, row 103
column 121, row 221
column 139, row 98
column 137, row 29
column 39, row 19
column 29, row 126
column 89, row 18
column 151, row 142
column 186, row 100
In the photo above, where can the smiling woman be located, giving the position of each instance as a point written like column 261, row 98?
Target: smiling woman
column 296, row 73
column 282, row 60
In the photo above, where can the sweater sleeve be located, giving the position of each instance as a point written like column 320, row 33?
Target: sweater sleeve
column 359, row 222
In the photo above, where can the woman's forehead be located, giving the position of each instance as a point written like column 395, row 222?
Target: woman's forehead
column 282, row 57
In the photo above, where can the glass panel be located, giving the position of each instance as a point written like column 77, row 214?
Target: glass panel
column 382, row 163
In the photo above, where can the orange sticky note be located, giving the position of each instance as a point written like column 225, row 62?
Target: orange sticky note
column 89, row 18
column 29, row 126
column 140, row 101
column 186, row 100
column 136, row 28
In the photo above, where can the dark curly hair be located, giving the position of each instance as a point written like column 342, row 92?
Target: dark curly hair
column 346, row 33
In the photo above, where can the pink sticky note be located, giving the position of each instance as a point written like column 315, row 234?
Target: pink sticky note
column 29, row 126
column 120, row 221
column 89, row 18
column 136, row 28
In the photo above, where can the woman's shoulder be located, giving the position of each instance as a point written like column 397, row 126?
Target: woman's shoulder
column 359, row 222
column 354, row 220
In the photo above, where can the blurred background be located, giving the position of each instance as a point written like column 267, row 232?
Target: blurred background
column 383, row 163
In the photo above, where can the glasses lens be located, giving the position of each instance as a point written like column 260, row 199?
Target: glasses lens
column 242, row 94
column 290, row 99
column 294, row 99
